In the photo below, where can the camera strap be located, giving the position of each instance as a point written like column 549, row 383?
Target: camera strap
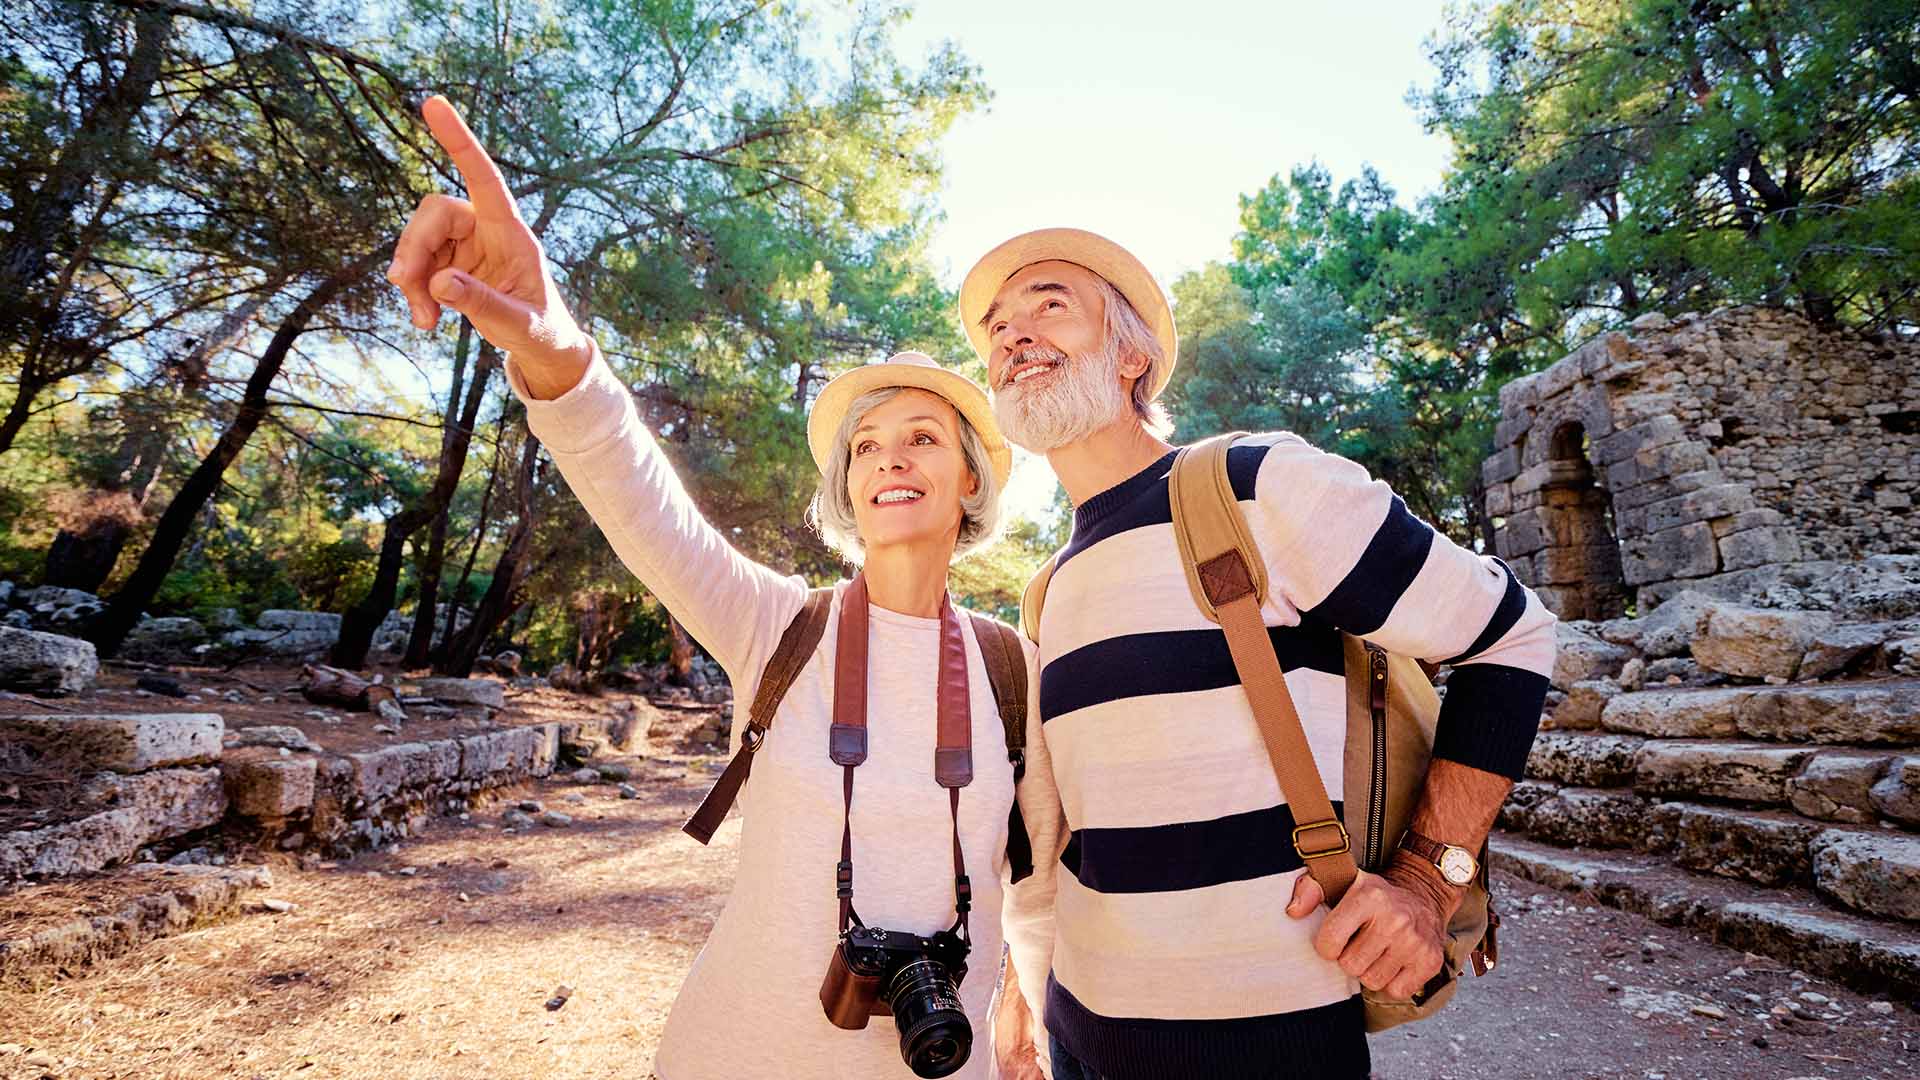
column 847, row 737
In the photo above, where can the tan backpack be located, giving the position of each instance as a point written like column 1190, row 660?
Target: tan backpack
column 1391, row 712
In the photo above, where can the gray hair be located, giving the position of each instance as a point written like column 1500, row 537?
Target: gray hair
column 1127, row 333
column 831, row 512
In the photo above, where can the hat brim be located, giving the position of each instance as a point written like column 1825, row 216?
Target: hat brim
column 965, row 395
column 1082, row 248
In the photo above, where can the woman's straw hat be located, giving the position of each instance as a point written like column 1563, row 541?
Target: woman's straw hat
column 916, row 371
column 1082, row 248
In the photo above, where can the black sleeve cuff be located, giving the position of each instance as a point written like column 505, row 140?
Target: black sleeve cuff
column 1489, row 718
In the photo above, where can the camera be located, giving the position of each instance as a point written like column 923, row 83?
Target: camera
column 875, row 972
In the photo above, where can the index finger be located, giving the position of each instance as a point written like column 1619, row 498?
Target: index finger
column 486, row 188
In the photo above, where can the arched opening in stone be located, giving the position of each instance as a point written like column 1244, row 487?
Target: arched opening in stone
column 1579, row 572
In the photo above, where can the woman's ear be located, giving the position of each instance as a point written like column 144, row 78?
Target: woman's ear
column 973, row 482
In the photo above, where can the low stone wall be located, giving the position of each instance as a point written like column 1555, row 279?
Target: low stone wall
column 342, row 803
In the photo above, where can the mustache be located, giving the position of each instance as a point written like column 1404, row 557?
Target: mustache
column 1032, row 354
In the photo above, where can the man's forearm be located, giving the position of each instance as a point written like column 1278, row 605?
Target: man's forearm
column 1457, row 806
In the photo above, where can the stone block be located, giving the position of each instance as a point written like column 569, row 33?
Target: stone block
column 1759, row 547
column 271, row 787
column 1501, row 467
column 1869, row 714
column 1582, row 817
column 1678, row 713
column 1583, row 760
column 514, row 751
column 1740, row 772
column 1837, row 785
column 145, row 808
column 1583, row 704
column 1764, row 848
column 45, row 663
column 1524, row 534
column 127, row 743
column 272, row 735
column 1836, row 648
column 1897, row 794
column 1667, row 631
column 1704, row 504
column 1499, row 501
column 465, row 691
column 1563, row 374
column 1628, row 441
column 1581, row 655
column 1881, row 604
column 380, row 773
column 1878, row 873
column 1756, row 642
column 1674, row 459
column 1688, row 551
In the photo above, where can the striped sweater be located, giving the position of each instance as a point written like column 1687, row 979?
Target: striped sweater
column 1171, row 953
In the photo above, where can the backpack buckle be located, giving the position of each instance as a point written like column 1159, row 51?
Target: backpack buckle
column 1346, row 842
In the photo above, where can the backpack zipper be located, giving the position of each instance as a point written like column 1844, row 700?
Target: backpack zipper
column 1377, row 795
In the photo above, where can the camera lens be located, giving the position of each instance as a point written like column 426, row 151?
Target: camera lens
column 935, row 1038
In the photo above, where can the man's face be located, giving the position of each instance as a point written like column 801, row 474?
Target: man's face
column 1055, row 381
column 1054, row 305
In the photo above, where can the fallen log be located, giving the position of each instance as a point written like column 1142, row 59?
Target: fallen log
column 324, row 685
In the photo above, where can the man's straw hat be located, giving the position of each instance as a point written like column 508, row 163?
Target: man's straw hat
column 916, row 371
column 1082, row 248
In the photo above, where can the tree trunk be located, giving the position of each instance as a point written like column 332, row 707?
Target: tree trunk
column 126, row 606
column 359, row 623
column 420, row 641
column 479, row 534
column 325, row 685
column 85, row 550
column 499, row 603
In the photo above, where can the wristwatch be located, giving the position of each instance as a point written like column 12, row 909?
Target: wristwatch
column 1456, row 864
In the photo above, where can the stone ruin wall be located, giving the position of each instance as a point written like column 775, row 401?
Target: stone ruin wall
column 1690, row 448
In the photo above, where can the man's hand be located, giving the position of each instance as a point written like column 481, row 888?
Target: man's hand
column 1387, row 931
column 1013, row 1032
column 481, row 260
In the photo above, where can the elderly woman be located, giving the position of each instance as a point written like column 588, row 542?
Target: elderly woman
column 912, row 464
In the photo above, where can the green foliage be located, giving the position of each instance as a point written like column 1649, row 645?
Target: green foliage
column 1610, row 159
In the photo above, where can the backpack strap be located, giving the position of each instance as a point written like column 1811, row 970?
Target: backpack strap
column 1228, row 579
column 796, row 647
column 1035, row 597
column 1007, row 672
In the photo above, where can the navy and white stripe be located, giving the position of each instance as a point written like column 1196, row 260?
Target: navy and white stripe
column 1171, row 940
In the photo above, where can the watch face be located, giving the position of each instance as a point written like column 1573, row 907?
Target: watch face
column 1457, row 866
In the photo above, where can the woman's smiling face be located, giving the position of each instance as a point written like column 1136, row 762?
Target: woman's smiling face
column 906, row 473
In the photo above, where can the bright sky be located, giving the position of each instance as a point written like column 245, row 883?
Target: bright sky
column 1145, row 122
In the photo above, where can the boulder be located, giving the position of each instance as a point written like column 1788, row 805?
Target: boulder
column 1580, row 708
column 1836, row 648
column 165, row 640
column 126, row 743
column 1878, row 873
column 1667, row 631
column 1897, row 794
column 1837, row 785
column 51, row 598
column 307, row 621
column 1756, row 642
column 1580, row 656
column 465, row 692
column 45, row 663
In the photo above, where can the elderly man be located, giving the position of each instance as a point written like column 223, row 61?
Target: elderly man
column 1166, row 954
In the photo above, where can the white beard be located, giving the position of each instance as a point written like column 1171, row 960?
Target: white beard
column 1078, row 397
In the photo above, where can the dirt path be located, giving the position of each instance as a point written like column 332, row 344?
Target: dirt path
column 379, row 973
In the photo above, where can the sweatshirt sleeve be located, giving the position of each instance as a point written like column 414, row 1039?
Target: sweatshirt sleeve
column 1343, row 548
column 1027, row 908
column 734, row 607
